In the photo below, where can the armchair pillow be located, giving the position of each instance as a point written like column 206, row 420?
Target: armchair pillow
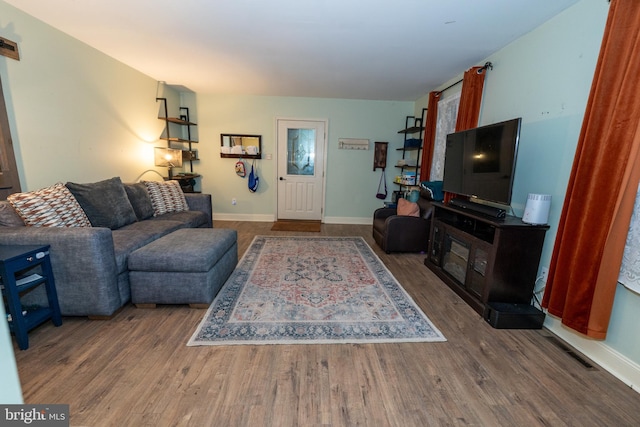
column 105, row 203
column 408, row 208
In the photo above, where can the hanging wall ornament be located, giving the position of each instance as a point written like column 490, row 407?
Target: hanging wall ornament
column 380, row 155
column 382, row 187
column 254, row 180
column 240, row 169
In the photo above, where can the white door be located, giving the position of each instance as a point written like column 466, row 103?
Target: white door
column 301, row 146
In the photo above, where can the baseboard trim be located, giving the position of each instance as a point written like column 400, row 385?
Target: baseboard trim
column 272, row 218
column 348, row 220
column 610, row 360
column 243, row 217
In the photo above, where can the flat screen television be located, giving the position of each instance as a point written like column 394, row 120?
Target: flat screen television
column 481, row 162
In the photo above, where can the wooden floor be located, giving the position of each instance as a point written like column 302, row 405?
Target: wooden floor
column 136, row 370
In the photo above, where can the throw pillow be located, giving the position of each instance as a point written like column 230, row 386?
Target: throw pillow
column 408, row 208
column 53, row 206
column 166, row 197
column 105, row 203
column 8, row 216
column 140, row 200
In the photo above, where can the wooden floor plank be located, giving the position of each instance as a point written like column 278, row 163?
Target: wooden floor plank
column 135, row 369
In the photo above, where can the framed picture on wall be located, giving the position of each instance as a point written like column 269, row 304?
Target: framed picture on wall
column 380, row 155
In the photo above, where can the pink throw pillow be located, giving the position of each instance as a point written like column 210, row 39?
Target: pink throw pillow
column 408, row 208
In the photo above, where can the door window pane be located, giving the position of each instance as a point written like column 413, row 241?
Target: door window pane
column 301, row 151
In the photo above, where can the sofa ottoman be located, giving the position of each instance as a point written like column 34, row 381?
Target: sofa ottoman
column 188, row 266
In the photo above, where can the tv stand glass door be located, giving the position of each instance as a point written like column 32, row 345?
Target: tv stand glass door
column 455, row 258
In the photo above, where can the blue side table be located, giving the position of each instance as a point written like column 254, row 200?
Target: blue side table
column 25, row 267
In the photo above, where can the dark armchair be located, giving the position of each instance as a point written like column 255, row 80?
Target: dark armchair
column 401, row 233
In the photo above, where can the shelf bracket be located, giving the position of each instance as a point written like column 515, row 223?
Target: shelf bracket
column 166, row 116
column 9, row 49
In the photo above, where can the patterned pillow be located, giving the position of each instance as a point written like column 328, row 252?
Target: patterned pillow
column 53, row 206
column 166, row 197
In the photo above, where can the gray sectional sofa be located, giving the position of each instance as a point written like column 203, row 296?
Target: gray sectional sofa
column 90, row 262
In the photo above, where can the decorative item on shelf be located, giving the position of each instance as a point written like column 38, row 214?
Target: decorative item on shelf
column 407, row 162
column 414, row 196
column 189, row 155
column 412, row 143
column 408, row 178
column 169, row 158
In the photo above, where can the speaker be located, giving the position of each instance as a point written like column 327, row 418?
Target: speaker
column 479, row 208
column 536, row 211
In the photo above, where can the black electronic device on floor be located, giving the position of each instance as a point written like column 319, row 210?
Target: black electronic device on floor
column 513, row 316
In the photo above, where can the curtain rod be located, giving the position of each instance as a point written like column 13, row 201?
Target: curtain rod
column 487, row 65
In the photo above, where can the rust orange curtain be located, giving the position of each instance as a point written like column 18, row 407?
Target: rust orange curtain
column 429, row 136
column 470, row 98
column 470, row 102
column 602, row 187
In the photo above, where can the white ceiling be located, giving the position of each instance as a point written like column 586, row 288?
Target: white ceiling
column 354, row 49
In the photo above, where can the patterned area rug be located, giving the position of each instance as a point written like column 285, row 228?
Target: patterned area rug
column 310, row 290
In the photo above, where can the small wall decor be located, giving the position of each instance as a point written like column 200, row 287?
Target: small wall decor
column 243, row 146
column 380, row 155
column 240, row 169
column 9, row 49
column 353, row 144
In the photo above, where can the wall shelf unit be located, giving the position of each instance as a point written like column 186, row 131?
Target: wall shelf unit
column 409, row 164
column 178, row 134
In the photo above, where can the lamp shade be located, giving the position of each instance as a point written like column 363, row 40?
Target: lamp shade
column 168, row 157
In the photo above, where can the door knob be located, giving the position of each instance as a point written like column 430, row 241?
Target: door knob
column 282, row 179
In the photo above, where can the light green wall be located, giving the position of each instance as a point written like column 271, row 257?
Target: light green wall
column 75, row 114
column 351, row 182
column 545, row 78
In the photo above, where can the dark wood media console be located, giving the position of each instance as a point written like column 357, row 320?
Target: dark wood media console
column 484, row 259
